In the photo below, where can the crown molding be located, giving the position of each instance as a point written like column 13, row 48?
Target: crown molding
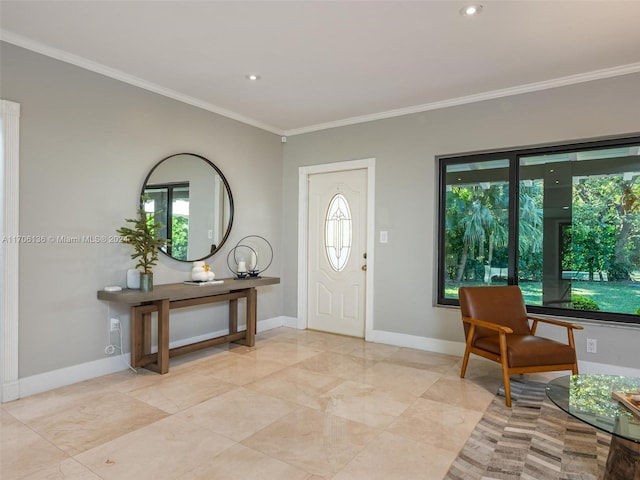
column 505, row 92
column 82, row 62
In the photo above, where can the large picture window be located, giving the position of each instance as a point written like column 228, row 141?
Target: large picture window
column 562, row 222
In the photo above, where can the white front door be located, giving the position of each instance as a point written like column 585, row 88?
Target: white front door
column 337, row 246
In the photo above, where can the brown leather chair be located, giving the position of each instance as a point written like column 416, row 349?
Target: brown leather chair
column 496, row 326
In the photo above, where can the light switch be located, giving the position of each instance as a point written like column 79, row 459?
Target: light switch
column 384, row 236
column 210, row 234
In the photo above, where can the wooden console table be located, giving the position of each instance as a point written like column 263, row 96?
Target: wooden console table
column 163, row 298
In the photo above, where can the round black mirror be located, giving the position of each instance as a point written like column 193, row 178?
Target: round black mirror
column 191, row 197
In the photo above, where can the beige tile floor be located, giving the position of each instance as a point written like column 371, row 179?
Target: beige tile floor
column 298, row 405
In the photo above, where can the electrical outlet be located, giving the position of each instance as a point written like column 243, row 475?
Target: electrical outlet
column 115, row 324
column 592, row 345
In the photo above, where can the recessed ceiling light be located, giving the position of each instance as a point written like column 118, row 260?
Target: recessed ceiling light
column 470, row 10
column 253, row 77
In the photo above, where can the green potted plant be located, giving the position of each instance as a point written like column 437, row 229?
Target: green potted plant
column 142, row 236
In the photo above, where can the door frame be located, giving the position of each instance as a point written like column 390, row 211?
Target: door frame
column 369, row 164
column 9, row 251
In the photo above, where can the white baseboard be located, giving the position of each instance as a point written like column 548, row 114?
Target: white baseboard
column 292, row 322
column 457, row 348
column 73, row 374
column 43, row 382
column 419, row 343
column 271, row 323
column 77, row 373
column 603, row 368
column 10, row 391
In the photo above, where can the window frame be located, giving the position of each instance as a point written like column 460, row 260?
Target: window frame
column 514, row 155
column 167, row 214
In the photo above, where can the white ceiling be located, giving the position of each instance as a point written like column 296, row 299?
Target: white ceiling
column 325, row 64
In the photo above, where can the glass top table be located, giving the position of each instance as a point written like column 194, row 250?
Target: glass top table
column 588, row 398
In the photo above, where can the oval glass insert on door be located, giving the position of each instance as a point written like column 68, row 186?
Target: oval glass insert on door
column 338, row 232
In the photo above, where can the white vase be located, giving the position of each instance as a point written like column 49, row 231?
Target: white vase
column 133, row 279
column 198, row 272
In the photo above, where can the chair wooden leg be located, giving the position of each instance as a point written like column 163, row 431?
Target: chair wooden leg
column 465, row 360
column 505, row 369
column 507, row 386
column 467, row 351
column 572, row 343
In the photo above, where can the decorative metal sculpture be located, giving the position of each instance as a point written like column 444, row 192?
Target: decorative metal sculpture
column 251, row 256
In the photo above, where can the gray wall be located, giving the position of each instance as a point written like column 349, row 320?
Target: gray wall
column 406, row 184
column 86, row 145
column 88, row 141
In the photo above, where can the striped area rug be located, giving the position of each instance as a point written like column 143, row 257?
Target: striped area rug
column 533, row 440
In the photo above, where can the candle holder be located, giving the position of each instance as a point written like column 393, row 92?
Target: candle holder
column 237, row 263
column 251, row 256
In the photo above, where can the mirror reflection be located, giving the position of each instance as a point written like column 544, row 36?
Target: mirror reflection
column 191, row 197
